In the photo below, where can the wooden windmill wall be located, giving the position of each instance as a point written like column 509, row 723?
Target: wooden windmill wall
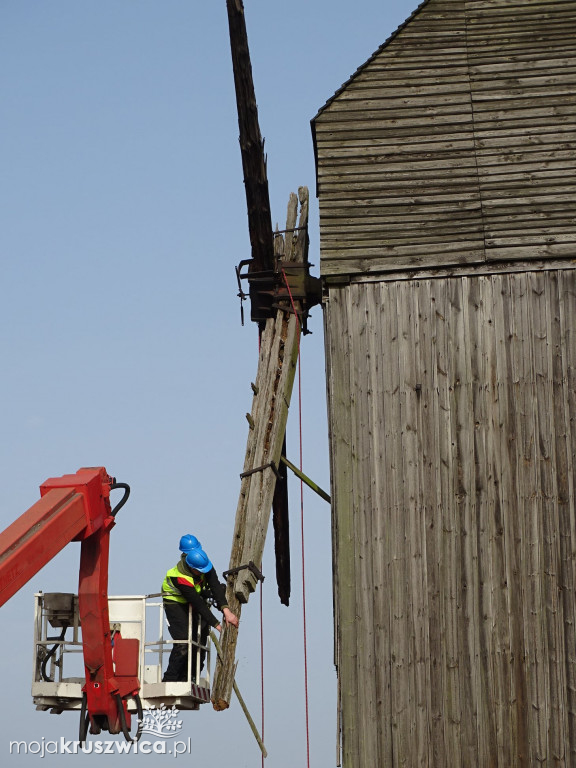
column 447, row 187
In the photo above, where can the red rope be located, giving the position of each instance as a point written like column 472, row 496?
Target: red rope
column 262, row 661
column 261, row 624
column 302, row 525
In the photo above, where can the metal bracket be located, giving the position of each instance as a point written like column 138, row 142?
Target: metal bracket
column 272, row 289
column 270, row 465
column 250, row 566
column 241, row 295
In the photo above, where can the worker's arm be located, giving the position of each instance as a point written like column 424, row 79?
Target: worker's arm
column 218, row 591
column 197, row 602
column 230, row 617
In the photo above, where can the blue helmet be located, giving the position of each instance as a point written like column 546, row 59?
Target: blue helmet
column 199, row 560
column 188, row 542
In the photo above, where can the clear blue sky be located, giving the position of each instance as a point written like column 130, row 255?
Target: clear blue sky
column 122, row 219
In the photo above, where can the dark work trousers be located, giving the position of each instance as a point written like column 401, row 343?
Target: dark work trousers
column 177, row 617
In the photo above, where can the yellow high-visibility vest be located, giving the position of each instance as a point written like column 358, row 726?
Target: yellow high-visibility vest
column 171, row 592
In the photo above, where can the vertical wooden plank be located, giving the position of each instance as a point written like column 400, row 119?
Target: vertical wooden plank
column 332, row 366
column 541, row 289
column 483, row 653
column 345, row 540
column 435, row 480
column 563, row 318
column 522, row 496
column 425, row 370
column 513, row 520
column 530, row 508
column 462, row 489
column 393, row 519
column 450, row 578
column 381, row 534
column 495, row 592
column 342, row 511
column 405, row 501
column 400, row 598
column 408, row 318
column 364, row 509
column 414, row 384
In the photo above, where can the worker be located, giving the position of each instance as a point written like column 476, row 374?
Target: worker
column 193, row 581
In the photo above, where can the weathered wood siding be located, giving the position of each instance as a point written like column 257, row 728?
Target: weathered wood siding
column 455, row 142
column 452, row 408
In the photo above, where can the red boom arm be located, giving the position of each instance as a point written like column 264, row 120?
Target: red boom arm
column 75, row 508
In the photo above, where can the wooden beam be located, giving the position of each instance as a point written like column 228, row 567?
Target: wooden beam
column 281, row 524
column 280, row 515
column 272, row 392
column 305, row 479
column 251, row 142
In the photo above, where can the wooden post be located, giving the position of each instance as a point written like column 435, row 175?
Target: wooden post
column 272, row 392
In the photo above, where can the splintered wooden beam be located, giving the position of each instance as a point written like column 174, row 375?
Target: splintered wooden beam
column 267, row 426
column 251, row 143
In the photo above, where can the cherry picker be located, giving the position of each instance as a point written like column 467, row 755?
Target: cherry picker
column 110, row 632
